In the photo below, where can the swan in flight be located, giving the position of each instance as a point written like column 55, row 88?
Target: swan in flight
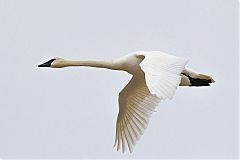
column 155, row 77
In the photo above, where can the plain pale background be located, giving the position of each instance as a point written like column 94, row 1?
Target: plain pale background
column 71, row 112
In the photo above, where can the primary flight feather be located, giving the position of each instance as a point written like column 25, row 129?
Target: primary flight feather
column 155, row 77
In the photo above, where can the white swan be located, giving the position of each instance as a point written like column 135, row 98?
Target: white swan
column 156, row 75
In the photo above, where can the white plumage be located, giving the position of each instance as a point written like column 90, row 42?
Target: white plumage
column 136, row 105
column 162, row 73
column 155, row 77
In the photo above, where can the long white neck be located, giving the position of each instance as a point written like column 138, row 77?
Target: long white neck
column 92, row 63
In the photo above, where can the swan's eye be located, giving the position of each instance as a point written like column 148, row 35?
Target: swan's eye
column 47, row 64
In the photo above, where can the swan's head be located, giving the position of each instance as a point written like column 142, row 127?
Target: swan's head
column 54, row 63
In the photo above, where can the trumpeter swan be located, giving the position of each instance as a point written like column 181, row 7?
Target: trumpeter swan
column 155, row 77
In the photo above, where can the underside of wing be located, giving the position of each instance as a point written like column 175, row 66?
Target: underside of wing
column 162, row 73
column 136, row 104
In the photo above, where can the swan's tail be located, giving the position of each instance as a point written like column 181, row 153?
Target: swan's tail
column 190, row 78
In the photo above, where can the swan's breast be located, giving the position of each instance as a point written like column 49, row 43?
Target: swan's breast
column 130, row 64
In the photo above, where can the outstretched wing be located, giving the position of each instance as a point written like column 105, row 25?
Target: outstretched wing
column 162, row 73
column 136, row 104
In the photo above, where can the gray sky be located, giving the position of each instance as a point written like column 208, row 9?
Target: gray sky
column 71, row 112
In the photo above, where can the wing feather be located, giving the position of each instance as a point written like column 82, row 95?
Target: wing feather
column 136, row 104
column 162, row 72
column 136, row 125
column 134, row 132
column 122, row 137
column 127, row 135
